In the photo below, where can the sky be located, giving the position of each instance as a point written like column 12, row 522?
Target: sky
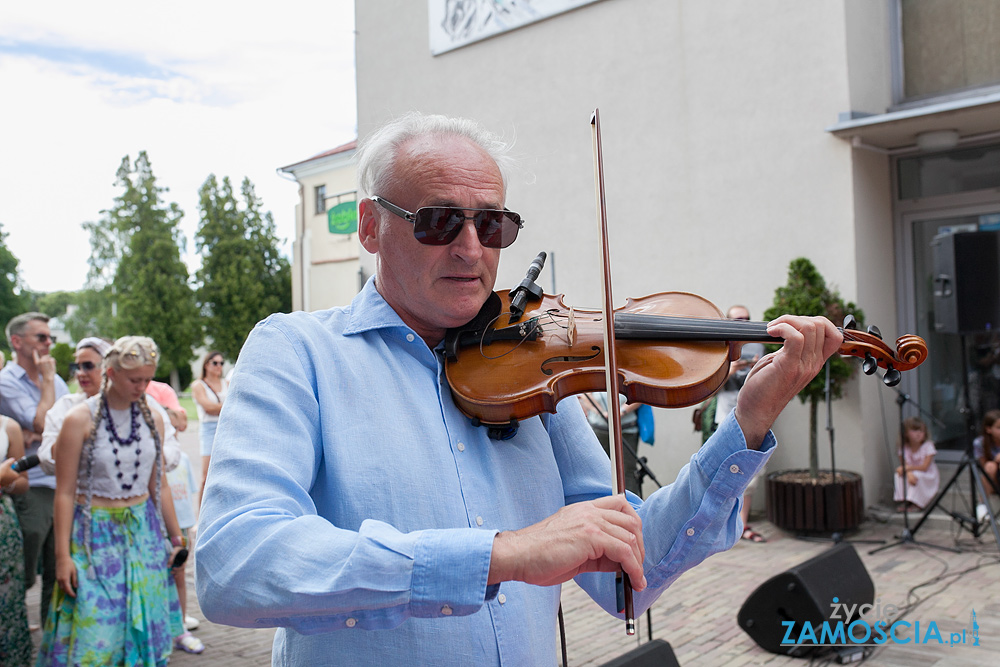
column 227, row 88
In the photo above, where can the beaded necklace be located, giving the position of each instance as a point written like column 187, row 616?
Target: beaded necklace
column 116, row 442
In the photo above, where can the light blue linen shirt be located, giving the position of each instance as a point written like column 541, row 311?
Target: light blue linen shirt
column 350, row 503
column 19, row 398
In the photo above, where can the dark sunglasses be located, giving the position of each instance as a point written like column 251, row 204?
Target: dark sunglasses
column 215, row 363
column 85, row 366
column 440, row 225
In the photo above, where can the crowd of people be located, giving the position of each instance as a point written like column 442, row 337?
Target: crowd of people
column 106, row 513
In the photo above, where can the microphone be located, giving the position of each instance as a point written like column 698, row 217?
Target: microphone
column 25, row 463
column 527, row 288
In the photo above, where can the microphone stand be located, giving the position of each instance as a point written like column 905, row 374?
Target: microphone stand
column 836, row 537
column 976, row 473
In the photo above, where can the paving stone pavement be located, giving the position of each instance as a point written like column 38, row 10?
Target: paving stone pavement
column 697, row 615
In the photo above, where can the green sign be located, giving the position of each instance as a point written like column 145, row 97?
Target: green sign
column 343, row 218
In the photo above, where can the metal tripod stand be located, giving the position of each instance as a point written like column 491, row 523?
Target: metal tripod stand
column 976, row 472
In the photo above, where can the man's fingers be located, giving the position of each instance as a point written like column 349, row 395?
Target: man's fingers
column 600, row 535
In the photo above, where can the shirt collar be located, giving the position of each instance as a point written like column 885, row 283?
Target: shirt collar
column 369, row 311
column 15, row 369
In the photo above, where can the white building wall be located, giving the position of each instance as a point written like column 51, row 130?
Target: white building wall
column 718, row 169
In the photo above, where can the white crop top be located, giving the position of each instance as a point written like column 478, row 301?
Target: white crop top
column 129, row 477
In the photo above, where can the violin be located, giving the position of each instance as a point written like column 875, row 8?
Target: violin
column 670, row 349
column 673, row 349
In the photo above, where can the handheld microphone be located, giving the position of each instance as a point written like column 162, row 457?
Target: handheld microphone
column 25, row 463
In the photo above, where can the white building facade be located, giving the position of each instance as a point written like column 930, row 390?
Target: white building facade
column 737, row 137
column 325, row 254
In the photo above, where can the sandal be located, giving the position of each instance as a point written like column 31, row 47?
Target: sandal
column 190, row 643
column 752, row 535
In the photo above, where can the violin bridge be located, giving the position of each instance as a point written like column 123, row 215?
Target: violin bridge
column 571, row 327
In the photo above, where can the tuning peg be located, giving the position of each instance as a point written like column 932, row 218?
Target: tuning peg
column 869, row 365
column 850, row 322
column 892, row 377
column 873, row 330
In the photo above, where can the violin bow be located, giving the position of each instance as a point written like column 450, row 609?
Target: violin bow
column 622, row 584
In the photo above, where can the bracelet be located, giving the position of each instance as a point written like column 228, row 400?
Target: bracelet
column 179, row 541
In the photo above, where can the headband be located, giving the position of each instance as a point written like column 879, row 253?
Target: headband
column 97, row 344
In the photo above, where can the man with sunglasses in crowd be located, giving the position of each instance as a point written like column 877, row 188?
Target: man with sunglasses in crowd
column 351, row 504
column 28, row 389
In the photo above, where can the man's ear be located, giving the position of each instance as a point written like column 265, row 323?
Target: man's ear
column 368, row 229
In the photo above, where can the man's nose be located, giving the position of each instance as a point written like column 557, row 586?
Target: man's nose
column 466, row 245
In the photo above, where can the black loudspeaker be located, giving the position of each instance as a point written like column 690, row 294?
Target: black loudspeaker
column 655, row 653
column 966, row 282
column 804, row 594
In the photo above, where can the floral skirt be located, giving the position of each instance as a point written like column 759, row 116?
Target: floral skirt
column 15, row 640
column 126, row 610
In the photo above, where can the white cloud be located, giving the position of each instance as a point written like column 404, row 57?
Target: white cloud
column 224, row 87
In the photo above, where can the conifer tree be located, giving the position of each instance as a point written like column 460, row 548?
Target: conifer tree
column 243, row 278
column 136, row 263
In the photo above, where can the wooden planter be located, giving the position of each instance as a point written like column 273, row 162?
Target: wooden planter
column 799, row 504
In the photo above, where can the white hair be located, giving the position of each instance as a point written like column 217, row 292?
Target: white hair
column 378, row 152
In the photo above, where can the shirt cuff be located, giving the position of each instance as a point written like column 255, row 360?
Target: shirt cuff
column 727, row 448
column 450, row 572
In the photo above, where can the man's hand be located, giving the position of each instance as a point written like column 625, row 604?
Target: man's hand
column 46, row 366
column 178, row 419
column 778, row 377
column 598, row 536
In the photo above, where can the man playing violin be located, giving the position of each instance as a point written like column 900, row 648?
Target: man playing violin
column 354, row 507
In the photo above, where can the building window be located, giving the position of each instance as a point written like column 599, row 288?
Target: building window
column 948, row 47
column 954, row 172
column 320, row 199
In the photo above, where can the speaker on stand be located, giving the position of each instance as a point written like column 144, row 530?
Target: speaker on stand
column 966, row 282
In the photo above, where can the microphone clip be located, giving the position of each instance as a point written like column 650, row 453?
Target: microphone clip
column 527, row 289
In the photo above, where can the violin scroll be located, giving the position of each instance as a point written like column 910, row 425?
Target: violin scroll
column 910, row 351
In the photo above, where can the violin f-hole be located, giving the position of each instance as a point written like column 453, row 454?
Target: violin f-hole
column 567, row 359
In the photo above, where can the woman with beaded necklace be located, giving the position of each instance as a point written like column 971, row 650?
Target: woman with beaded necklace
column 116, row 603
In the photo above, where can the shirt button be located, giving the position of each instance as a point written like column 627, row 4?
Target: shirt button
column 461, row 446
column 351, row 622
column 501, row 598
column 734, row 468
column 690, row 532
column 410, row 337
column 479, row 520
column 446, row 610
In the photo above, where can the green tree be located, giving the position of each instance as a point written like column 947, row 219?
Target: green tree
column 807, row 294
column 243, row 278
column 92, row 315
column 136, row 265
column 64, row 355
column 13, row 300
column 54, row 304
